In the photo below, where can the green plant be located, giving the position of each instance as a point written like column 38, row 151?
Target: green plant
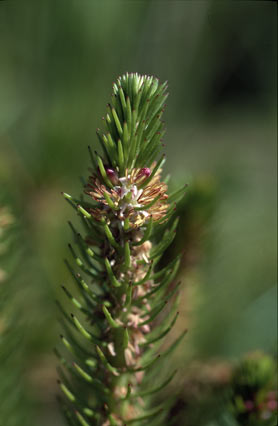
column 221, row 393
column 128, row 220
column 254, row 390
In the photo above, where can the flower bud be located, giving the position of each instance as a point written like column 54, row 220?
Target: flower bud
column 112, row 175
column 144, row 172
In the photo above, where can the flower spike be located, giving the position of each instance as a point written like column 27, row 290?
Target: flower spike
column 126, row 213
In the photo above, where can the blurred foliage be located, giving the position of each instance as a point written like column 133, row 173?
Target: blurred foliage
column 227, row 394
column 15, row 404
column 57, row 60
column 254, row 390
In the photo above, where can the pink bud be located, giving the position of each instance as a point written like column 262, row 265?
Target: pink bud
column 145, row 171
column 112, row 175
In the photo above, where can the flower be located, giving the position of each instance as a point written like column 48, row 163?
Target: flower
column 129, row 197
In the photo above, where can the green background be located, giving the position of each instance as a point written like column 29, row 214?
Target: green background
column 58, row 62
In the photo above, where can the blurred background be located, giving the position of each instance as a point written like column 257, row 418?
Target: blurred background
column 58, row 63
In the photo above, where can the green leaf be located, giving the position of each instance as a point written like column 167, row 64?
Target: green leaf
column 111, row 238
column 109, row 318
column 146, row 416
column 127, row 256
column 147, row 233
column 82, row 373
column 157, row 389
column 177, row 195
column 146, row 366
column 104, row 360
column 81, row 419
column 166, row 241
column 88, row 335
column 70, row 396
column 112, row 278
column 75, row 302
column 146, row 277
column 103, row 173
column 163, row 334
